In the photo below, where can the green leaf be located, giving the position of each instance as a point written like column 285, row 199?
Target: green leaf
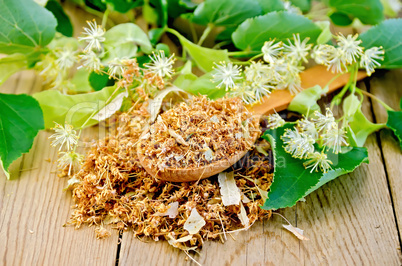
column 80, row 81
column 368, row 11
column 10, row 65
column 73, row 109
column 122, row 41
column 306, row 101
column 203, row 57
column 358, row 123
column 123, row 6
column 252, row 33
column 24, row 26
column 292, row 181
column 99, row 81
column 227, row 13
column 271, row 5
column 161, row 7
column 304, row 5
column 340, row 19
column 64, row 25
column 21, row 118
column 202, row 85
column 326, row 34
column 390, row 9
column 394, row 122
column 387, row 34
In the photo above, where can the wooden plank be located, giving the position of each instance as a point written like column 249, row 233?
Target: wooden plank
column 34, row 207
column 387, row 87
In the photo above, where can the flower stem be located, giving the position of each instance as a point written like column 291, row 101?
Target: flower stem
column 205, row 33
column 105, row 16
column 386, row 106
column 241, row 53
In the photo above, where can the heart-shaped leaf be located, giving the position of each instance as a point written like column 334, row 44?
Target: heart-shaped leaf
column 24, row 26
column 394, row 122
column 73, row 109
column 21, row 118
column 292, row 181
column 368, row 11
column 10, row 65
column 252, row 33
column 227, row 13
column 387, row 34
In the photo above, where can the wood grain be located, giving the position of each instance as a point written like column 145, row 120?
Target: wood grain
column 388, row 88
column 34, row 207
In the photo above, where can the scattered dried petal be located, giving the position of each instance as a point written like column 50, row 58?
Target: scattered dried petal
column 194, row 222
column 229, row 190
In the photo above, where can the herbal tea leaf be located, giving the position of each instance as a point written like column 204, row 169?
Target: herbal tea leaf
column 64, row 25
column 360, row 126
column 227, row 13
column 387, row 34
column 368, row 11
column 122, row 41
column 306, row 101
column 24, row 26
column 203, row 57
column 292, row 181
column 21, row 118
column 10, row 65
column 253, row 32
column 394, row 122
column 73, row 109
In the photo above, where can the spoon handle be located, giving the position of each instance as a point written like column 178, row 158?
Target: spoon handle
column 317, row 75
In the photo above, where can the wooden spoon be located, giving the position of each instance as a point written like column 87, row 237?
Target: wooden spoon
column 277, row 101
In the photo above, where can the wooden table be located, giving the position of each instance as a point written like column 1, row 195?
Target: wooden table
column 355, row 219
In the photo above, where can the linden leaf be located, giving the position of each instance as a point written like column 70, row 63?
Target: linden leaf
column 73, row 109
column 194, row 222
column 292, row 181
column 359, row 125
column 387, row 34
column 253, row 32
column 394, row 122
column 21, row 118
column 227, row 13
column 306, row 101
column 229, row 190
column 64, row 25
column 203, row 57
column 10, row 65
column 111, row 108
column 368, row 11
column 24, row 26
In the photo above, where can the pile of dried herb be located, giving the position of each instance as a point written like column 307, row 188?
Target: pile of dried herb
column 113, row 188
column 199, row 132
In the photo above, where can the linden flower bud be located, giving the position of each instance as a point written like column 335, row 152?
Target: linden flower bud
column 317, row 161
column 271, row 51
column 70, row 159
column 369, row 57
column 349, row 46
column 66, row 58
column 161, row 65
column 298, row 144
column 91, row 61
column 226, row 74
column 323, row 122
column 334, row 138
column 299, row 49
column 64, row 136
column 94, row 36
column 245, row 92
column 275, row 120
